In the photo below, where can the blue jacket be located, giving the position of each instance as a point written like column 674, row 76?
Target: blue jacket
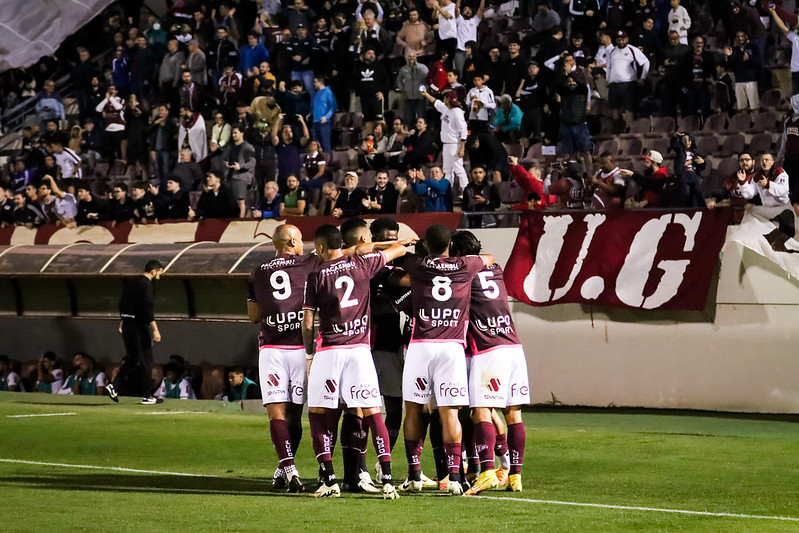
column 252, row 57
column 509, row 121
column 437, row 195
column 270, row 209
column 324, row 105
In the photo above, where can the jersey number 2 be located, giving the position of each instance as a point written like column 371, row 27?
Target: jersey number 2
column 347, row 283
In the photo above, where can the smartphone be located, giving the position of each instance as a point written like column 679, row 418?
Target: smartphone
column 421, row 87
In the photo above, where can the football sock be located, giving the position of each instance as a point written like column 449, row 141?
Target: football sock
column 468, row 439
column 281, row 438
column 351, row 426
column 394, row 418
column 413, row 452
column 294, row 419
column 321, row 437
column 437, row 443
column 332, row 416
column 485, row 439
column 328, row 476
column 453, row 451
column 517, row 435
column 501, row 447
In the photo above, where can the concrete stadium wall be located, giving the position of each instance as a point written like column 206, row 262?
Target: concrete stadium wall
column 739, row 356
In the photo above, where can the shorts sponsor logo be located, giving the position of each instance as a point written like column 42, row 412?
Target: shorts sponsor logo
column 452, row 390
column 331, row 386
column 364, row 392
column 421, row 383
column 519, row 389
column 273, row 380
column 493, row 384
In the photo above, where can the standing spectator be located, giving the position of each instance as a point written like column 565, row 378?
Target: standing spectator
column 49, row 105
column 121, row 208
column 420, row 146
column 91, row 210
column 139, row 330
column 514, row 69
column 221, row 53
column 572, row 90
column 616, row 15
column 732, row 187
column 585, row 18
column 679, row 20
column 265, row 166
column 698, row 73
column 492, row 71
column 230, row 88
column 609, row 187
column 407, row 200
column 436, row 191
column 324, row 106
column 269, row 205
column 195, row 64
column 220, row 135
column 288, row 148
column 672, row 57
column 381, row 198
column 81, row 76
column 372, row 84
column 26, row 212
column 688, row 164
column 485, row 150
column 216, row 201
column 372, row 35
column 175, row 202
column 188, row 92
column 170, row 70
column 162, row 134
column 627, row 66
column 437, row 74
column 410, row 80
column 22, row 175
column 654, row 182
column 447, row 26
column 143, row 62
column 507, row 120
column 534, row 102
column 295, row 102
column 453, row 137
column 480, row 195
column 466, row 22
column 240, row 166
column 794, row 38
column 112, row 109
column 415, row 35
column 745, row 62
column 746, row 18
column 67, row 160
column 789, row 149
column 120, row 71
column 301, row 49
column 646, row 39
column 136, row 133
column 252, row 54
column 191, row 133
column 544, row 21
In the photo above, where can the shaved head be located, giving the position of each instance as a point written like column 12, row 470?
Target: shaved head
column 287, row 240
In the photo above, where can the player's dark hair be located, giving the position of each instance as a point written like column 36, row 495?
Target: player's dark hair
column 464, row 243
column 437, row 237
column 329, row 235
column 237, row 370
column 350, row 229
column 50, row 356
column 380, row 226
column 172, row 367
column 420, row 248
column 4, row 359
column 533, row 196
column 153, row 264
column 141, row 185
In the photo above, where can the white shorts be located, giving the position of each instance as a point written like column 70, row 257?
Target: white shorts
column 498, row 378
column 347, row 373
column 389, row 372
column 282, row 374
column 439, row 367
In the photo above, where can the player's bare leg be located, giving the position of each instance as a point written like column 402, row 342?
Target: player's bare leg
column 516, row 441
column 282, row 441
column 373, row 419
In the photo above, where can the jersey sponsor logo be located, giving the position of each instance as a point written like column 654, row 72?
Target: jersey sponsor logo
column 519, row 389
column 421, row 383
column 452, row 390
column 441, row 317
column 496, row 325
column 352, row 327
column 285, row 321
column 273, row 380
column 330, row 385
column 364, row 392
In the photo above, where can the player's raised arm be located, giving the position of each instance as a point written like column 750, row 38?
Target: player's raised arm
column 394, row 251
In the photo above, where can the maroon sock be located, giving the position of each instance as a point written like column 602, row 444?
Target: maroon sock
column 453, row 451
column 381, row 442
column 332, row 416
column 322, row 438
column 516, row 437
column 413, row 452
column 281, row 438
column 484, row 440
column 501, row 447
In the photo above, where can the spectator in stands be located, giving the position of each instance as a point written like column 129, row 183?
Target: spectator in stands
column 230, row 88
column 745, row 18
column 568, row 186
column 583, row 56
column 221, row 53
column 551, row 48
column 793, row 37
column 87, row 379
column 81, row 77
column 679, row 20
column 120, row 72
column 646, row 39
column 269, row 205
column 608, row 184
column 301, row 49
column 672, row 57
column 571, row 86
column 698, row 74
column 112, row 108
column 145, row 203
column 265, row 165
column 315, row 166
column 26, row 213
column 381, row 198
column 187, row 171
column 121, row 208
column 170, row 71
column 513, row 70
column 48, row 167
column 544, row 21
column 732, row 187
column 395, row 149
column 770, row 184
column 191, row 133
column 481, row 104
column 136, row 127
column 330, row 196
column 627, row 66
column 174, row 201
column 453, row 137
column 420, row 146
column 174, row 385
column 49, row 105
column 66, row 207
column 534, row 103
column 195, row 64
column 656, row 188
column 789, row 149
column 466, row 22
column 745, row 63
column 49, row 376
column 436, row 78
column 67, row 160
column 9, row 380
column 216, row 201
column 372, row 84
column 240, row 164
column 91, row 210
column 252, row 54
column 492, row 70
column 296, row 101
column 241, row 387
column 436, row 191
column 688, row 164
column 508, row 120
column 91, row 145
column 22, row 175
column 350, row 201
column 143, row 63
column 288, row 148
column 480, row 195
column 407, row 200
column 188, row 92
column 162, row 134
column 410, row 80
column 294, row 202
column 485, row 150
column 370, row 34
column 373, row 148
column 447, row 25
column 324, row 106
column 6, row 207
column 414, row 36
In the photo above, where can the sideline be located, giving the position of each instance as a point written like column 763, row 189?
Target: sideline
column 43, row 414
column 493, row 498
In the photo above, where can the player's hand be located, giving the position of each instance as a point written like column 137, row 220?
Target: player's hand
column 156, row 336
column 625, row 172
column 308, row 363
column 461, row 152
column 711, row 203
column 513, row 160
column 337, row 212
column 741, row 176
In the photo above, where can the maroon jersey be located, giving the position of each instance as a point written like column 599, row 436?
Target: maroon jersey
column 277, row 287
column 490, row 323
column 792, row 138
column 570, row 193
column 603, row 200
column 440, row 291
column 340, row 290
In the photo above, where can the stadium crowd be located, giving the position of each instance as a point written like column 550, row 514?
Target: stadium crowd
column 381, row 107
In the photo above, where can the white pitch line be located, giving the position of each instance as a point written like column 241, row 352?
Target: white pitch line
column 174, row 413
column 651, row 509
column 43, row 414
column 494, row 498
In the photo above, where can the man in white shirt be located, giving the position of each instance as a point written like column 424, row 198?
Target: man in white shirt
column 67, row 159
column 794, row 38
column 453, row 137
column 466, row 23
column 447, row 26
column 626, row 66
column 771, row 184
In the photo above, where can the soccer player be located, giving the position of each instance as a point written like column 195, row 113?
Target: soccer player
column 339, row 292
column 440, row 287
column 498, row 377
column 275, row 301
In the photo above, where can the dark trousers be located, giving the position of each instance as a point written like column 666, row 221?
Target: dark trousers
column 135, row 374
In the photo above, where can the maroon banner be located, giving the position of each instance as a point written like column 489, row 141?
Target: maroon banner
column 647, row 259
column 213, row 230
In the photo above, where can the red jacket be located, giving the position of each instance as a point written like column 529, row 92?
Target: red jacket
column 529, row 184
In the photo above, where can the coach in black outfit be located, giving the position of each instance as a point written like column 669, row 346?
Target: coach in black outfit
column 137, row 326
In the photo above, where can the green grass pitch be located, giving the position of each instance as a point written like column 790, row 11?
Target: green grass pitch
column 642, row 469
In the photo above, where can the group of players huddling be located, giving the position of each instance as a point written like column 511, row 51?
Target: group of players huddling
column 356, row 283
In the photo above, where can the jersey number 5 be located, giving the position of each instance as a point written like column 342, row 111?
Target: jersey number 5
column 346, row 283
column 490, row 287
